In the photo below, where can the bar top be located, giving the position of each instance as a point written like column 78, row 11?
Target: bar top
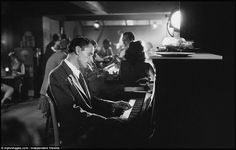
column 206, row 56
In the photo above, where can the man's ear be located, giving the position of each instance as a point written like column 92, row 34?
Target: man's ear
column 77, row 50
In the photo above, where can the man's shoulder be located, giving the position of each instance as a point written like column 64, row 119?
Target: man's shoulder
column 58, row 55
column 57, row 70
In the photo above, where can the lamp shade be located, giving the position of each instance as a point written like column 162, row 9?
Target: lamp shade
column 175, row 20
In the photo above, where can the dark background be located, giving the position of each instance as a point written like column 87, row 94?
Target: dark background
column 196, row 99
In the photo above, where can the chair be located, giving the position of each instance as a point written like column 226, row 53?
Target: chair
column 55, row 121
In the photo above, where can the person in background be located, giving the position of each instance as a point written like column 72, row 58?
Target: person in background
column 18, row 72
column 52, row 63
column 6, row 93
column 17, row 66
column 149, row 49
column 106, row 50
column 52, row 47
column 134, row 67
column 105, row 54
column 127, row 38
column 77, row 109
column 64, row 42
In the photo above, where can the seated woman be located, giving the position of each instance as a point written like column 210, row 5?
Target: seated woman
column 18, row 71
column 134, row 68
column 17, row 66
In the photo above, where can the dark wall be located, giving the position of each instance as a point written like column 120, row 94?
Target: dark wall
column 197, row 98
column 211, row 25
column 15, row 27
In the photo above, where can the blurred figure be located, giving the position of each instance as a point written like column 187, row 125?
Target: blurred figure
column 149, row 49
column 64, row 42
column 134, row 67
column 105, row 54
column 16, row 133
column 18, row 72
column 6, row 93
column 17, row 66
column 52, row 47
column 52, row 63
column 106, row 49
column 127, row 38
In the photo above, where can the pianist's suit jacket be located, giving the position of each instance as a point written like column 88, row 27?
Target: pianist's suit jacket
column 74, row 108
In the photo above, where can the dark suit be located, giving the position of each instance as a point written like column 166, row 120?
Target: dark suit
column 76, row 110
column 48, row 51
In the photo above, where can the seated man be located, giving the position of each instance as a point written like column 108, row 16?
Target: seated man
column 78, row 111
column 105, row 54
column 127, row 38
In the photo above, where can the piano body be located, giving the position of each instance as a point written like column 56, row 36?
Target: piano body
column 142, row 114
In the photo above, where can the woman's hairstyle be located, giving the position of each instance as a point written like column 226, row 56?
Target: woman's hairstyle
column 135, row 52
column 130, row 35
column 81, row 42
column 55, row 37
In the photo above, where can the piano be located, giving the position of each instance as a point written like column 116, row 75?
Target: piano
column 140, row 120
column 138, row 106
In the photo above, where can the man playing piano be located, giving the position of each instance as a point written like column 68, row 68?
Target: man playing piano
column 77, row 110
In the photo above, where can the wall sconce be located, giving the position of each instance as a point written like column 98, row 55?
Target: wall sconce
column 154, row 25
column 174, row 22
column 96, row 25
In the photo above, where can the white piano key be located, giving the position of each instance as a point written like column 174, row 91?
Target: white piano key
column 126, row 113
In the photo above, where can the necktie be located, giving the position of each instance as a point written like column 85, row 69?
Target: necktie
column 84, row 85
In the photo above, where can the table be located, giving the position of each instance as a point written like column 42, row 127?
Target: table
column 16, row 82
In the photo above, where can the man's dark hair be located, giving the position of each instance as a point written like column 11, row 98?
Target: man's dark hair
column 81, row 42
column 130, row 35
column 55, row 37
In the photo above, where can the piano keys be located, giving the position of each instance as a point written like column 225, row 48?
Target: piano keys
column 126, row 113
column 138, row 106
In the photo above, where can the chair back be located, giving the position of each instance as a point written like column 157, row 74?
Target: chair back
column 55, row 121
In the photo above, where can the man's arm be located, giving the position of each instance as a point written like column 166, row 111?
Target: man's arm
column 108, row 106
column 67, row 108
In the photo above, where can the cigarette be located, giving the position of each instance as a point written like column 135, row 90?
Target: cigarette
column 89, row 66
